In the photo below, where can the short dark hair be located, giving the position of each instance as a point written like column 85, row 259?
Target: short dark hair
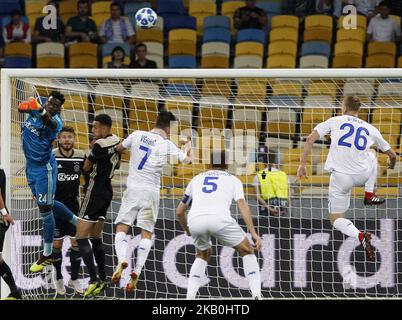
column 58, row 95
column 104, row 119
column 82, row 2
column 114, row 4
column 219, row 159
column 139, row 45
column 15, row 12
column 67, row 129
column 164, row 118
column 118, row 48
column 384, row 4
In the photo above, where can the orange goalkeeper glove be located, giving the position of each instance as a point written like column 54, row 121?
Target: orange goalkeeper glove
column 30, row 105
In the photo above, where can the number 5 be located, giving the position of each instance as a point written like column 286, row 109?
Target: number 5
column 209, row 183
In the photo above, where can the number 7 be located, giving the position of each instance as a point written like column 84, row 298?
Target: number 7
column 148, row 152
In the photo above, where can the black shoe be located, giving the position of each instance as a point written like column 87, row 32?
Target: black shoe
column 365, row 240
column 373, row 201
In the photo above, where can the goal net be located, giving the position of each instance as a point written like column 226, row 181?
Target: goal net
column 254, row 115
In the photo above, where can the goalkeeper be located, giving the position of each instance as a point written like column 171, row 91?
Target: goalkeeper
column 38, row 132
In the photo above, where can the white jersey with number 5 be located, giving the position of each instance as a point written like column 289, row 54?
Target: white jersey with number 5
column 351, row 139
column 211, row 193
column 149, row 152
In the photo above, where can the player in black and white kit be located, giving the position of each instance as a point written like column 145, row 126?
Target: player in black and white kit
column 5, row 220
column 69, row 165
column 101, row 162
column 351, row 164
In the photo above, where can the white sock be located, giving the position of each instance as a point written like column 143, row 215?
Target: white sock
column 346, row 227
column 252, row 272
column 120, row 245
column 197, row 271
column 142, row 254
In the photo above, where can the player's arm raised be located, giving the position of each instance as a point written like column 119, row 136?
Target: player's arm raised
column 302, row 171
column 182, row 217
column 248, row 220
column 188, row 150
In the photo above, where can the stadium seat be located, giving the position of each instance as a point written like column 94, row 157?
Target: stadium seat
column 67, row 9
column 390, row 89
column 281, row 61
column 318, row 34
column 283, row 34
column 76, row 102
column 291, row 159
column 154, row 35
column 215, row 49
column 359, row 88
column 217, row 87
column 282, row 47
column 249, row 48
column 183, row 112
column 211, row 62
column 361, row 22
column 256, row 89
column 213, row 112
column 17, row 62
column 201, row 9
column 351, row 35
column 382, row 48
column 217, row 22
column 179, row 89
column 175, row 7
column 228, row 9
column 247, row 119
column 287, row 88
column 33, row 10
column 84, row 61
column 349, row 48
column 281, row 121
column 217, row 34
column 327, row 88
column 285, row 21
column 271, row 7
column 53, row 49
column 182, row 48
column 312, row 116
column 313, row 61
column 380, row 61
column 283, row 101
column 19, row 49
column 183, row 35
column 347, row 61
column 399, row 62
column 318, row 21
column 50, row 62
column 255, row 35
column 316, row 48
column 248, row 61
column 387, row 115
column 182, row 22
column 83, row 49
column 154, row 48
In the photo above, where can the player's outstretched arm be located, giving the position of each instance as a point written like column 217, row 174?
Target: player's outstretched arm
column 302, row 171
column 246, row 214
column 392, row 158
column 188, row 150
column 182, row 216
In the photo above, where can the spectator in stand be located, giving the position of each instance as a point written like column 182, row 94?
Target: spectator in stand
column 324, row 6
column 142, row 61
column 365, row 7
column 81, row 28
column 16, row 30
column 301, row 8
column 117, row 28
column 117, row 62
column 41, row 34
column 250, row 16
column 383, row 28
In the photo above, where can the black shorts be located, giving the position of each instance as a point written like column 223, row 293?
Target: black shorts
column 63, row 229
column 95, row 205
column 3, row 230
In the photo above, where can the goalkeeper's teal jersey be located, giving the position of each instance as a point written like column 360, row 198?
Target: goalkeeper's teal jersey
column 37, row 139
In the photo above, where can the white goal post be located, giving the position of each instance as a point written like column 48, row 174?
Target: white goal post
column 239, row 110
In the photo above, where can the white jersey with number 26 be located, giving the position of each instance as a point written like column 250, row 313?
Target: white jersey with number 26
column 211, row 193
column 351, row 139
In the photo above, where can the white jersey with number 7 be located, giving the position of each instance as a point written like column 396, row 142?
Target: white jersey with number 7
column 351, row 139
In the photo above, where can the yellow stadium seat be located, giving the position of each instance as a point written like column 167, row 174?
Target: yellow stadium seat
column 20, row 49
column 149, row 35
column 247, row 120
column 322, row 88
column 67, row 9
column 349, row 48
column 380, row 61
column 213, row 62
column 318, row 34
column 215, row 49
column 387, row 114
column 351, row 35
column 291, row 168
column 382, row 48
column 183, row 35
column 294, row 155
column 107, row 59
column 53, row 49
column 281, row 61
column 387, row 127
column 32, row 19
column 361, row 22
column 229, row 8
column 83, row 62
column 396, row 18
column 392, row 139
column 254, row 88
column 248, row 61
column 249, row 48
column 347, row 61
column 313, row 116
column 284, row 34
column 318, row 21
column 400, row 62
column 100, row 7
column 50, row 62
column 201, row 9
column 34, row 6
column 212, row 117
column 77, row 103
column 287, row 21
column 217, row 87
column 282, row 47
column 287, row 88
column 83, row 48
column 182, row 48
column 100, row 18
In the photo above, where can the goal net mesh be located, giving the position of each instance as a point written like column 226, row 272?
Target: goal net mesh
column 302, row 255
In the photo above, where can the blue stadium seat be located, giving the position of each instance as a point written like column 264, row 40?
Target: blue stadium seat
column 107, row 48
column 183, row 22
column 17, row 62
column 270, row 7
column 316, row 48
column 182, row 62
column 170, row 7
column 132, row 8
column 217, row 34
column 288, row 101
column 256, row 35
column 217, row 22
column 178, row 89
column 6, row 6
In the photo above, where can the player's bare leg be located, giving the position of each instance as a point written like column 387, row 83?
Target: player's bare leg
column 197, row 271
column 251, row 267
column 142, row 254
column 370, row 198
column 120, row 245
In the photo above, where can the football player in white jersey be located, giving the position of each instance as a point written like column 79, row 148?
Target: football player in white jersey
column 149, row 152
column 210, row 195
column 350, row 163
